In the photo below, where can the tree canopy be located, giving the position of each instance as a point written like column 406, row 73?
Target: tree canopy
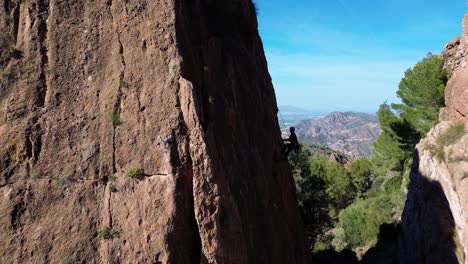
column 350, row 202
column 422, row 92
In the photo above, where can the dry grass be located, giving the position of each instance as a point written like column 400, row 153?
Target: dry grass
column 451, row 135
column 446, row 138
column 16, row 151
column 66, row 178
column 34, row 173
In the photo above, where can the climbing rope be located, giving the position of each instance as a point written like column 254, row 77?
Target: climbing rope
column 283, row 124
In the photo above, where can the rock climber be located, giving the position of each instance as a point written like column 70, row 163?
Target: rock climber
column 292, row 145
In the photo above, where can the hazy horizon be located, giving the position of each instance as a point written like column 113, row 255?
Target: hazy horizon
column 324, row 111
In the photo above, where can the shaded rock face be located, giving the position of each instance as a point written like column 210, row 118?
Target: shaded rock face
column 178, row 89
column 434, row 221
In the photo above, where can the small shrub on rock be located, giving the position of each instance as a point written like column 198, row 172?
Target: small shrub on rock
column 448, row 137
column 109, row 233
column 114, row 118
column 12, row 53
column 135, row 172
column 451, row 135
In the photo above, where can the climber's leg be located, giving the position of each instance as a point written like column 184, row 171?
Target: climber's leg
column 287, row 148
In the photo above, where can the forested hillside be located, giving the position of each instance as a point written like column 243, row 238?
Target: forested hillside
column 343, row 207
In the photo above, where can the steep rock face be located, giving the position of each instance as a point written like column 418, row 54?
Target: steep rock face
column 178, row 89
column 456, row 95
column 434, row 222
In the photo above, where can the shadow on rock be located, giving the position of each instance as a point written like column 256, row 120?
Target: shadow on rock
column 427, row 229
column 386, row 250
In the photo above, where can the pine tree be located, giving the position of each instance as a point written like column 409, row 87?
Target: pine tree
column 422, row 93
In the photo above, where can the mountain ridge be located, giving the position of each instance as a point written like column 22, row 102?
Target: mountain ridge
column 350, row 132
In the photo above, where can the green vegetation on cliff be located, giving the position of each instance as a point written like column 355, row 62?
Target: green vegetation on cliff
column 344, row 206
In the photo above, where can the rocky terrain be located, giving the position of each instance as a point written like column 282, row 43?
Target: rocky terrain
column 324, row 151
column 435, row 227
column 140, row 132
column 350, row 133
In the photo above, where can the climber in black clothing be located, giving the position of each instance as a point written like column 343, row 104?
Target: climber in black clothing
column 292, row 145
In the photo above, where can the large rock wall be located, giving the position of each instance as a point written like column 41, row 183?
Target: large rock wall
column 180, row 89
column 434, row 223
column 435, row 218
column 456, row 94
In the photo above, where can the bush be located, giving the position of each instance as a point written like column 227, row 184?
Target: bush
column 135, row 172
column 12, row 53
column 122, row 84
column 361, row 220
column 109, row 233
column 65, row 179
column 422, row 91
column 361, row 172
column 320, row 246
column 114, row 118
column 340, row 188
column 392, row 185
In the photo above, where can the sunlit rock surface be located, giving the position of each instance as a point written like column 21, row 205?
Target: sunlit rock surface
column 178, row 91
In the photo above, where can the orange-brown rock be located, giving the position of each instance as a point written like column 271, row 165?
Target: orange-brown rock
column 175, row 93
column 456, row 95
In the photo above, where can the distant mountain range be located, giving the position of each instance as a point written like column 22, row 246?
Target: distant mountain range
column 349, row 132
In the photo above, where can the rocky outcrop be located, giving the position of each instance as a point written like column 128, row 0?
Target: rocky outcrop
column 434, row 222
column 456, row 95
column 174, row 93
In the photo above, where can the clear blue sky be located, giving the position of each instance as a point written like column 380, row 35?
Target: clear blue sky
column 328, row 55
